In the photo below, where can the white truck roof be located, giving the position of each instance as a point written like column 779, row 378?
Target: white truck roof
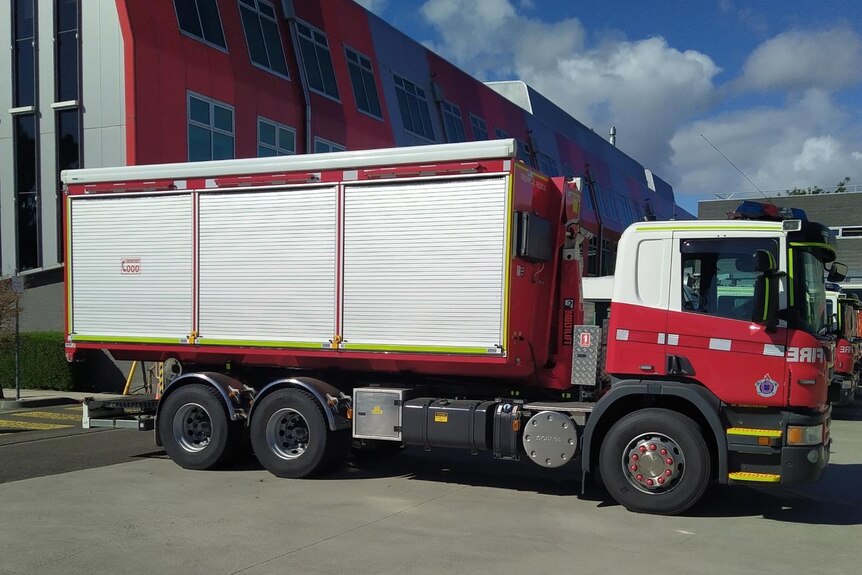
column 598, row 289
column 434, row 153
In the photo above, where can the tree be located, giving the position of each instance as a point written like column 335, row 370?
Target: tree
column 840, row 188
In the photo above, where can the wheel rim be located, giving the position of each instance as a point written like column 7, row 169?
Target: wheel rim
column 653, row 463
column 287, row 433
column 192, row 426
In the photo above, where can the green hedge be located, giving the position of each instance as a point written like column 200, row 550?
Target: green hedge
column 42, row 362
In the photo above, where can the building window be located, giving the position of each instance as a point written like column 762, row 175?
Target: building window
column 274, row 139
column 524, row 153
column 500, row 134
column 27, row 191
column 609, row 253
column 547, row 164
column 66, row 46
column 322, row 146
column 452, row 123
column 480, row 129
column 317, row 61
column 364, row 87
column 262, row 36
column 414, row 108
column 200, row 18
column 593, row 257
column 68, row 125
column 24, row 53
column 210, row 129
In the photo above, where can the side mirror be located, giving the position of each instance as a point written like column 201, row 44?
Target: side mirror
column 837, row 272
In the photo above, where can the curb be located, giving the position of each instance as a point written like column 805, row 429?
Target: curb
column 27, row 403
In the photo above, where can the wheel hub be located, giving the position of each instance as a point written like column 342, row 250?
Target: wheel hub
column 287, row 433
column 653, row 463
column 192, row 427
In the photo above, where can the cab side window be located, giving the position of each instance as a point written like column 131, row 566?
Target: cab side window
column 718, row 275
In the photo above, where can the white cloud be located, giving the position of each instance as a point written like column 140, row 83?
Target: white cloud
column 660, row 98
column 646, row 88
column 376, row 6
column 779, row 148
column 800, row 59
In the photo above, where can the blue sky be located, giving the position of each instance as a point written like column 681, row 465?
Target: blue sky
column 776, row 85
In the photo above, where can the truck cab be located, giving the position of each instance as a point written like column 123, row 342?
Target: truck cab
column 736, row 309
column 841, row 309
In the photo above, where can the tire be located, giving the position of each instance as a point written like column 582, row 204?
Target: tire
column 195, row 430
column 655, row 461
column 291, row 438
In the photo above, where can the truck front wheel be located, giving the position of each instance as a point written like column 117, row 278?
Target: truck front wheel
column 655, row 461
column 290, row 436
column 194, row 428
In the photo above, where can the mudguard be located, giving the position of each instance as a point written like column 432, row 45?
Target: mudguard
column 700, row 397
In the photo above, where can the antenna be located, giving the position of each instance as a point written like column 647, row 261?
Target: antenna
column 768, row 199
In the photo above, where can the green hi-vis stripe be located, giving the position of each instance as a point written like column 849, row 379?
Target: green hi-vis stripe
column 256, row 343
column 768, row 228
column 820, row 245
column 422, row 349
column 766, row 300
column 124, row 339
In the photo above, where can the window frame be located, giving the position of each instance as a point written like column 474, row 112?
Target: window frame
column 347, row 51
column 243, row 4
column 420, row 99
column 310, row 38
column 201, row 38
column 452, row 113
column 211, row 102
column 37, row 193
column 278, row 126
column 334, row 146
column 747, row 246
column 474, row 120
column 17, row 106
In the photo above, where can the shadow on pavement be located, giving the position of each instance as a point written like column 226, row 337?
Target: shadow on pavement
column 827, row 502
column 852, row 412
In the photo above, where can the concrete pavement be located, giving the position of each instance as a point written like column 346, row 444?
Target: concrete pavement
column 417, row 513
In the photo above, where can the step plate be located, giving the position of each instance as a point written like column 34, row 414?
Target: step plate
column 754, row 477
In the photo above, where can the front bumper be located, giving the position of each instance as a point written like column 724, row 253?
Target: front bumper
column 805, row 464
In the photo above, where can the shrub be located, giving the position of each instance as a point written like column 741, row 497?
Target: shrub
column 42, row 363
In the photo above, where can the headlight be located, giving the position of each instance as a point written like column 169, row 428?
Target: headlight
column 809, row 435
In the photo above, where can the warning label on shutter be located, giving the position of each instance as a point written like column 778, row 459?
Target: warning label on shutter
column 130, row 266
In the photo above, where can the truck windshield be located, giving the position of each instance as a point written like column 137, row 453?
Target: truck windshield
column 811, row 292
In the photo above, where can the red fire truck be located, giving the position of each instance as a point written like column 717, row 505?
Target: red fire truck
column 842, row 311
column 431, row 296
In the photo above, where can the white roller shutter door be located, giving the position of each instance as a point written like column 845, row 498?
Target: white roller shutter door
column 267, row 267
column 132, row 268
column 424, row 265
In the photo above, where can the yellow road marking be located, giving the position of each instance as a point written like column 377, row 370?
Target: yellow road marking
column 48, row 415
column 10, row 424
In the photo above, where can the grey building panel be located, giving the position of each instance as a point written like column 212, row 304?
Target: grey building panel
column 515, row 91
column 7, row 196
column 102, row 66
column 42, row 308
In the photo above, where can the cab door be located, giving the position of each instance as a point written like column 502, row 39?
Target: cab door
column 711, row 335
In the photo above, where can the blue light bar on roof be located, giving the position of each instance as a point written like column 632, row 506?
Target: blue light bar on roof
column 750, row 210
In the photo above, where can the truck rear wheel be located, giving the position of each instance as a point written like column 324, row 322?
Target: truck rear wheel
column 655, row 461
column 194, row 428
column 290, row 436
